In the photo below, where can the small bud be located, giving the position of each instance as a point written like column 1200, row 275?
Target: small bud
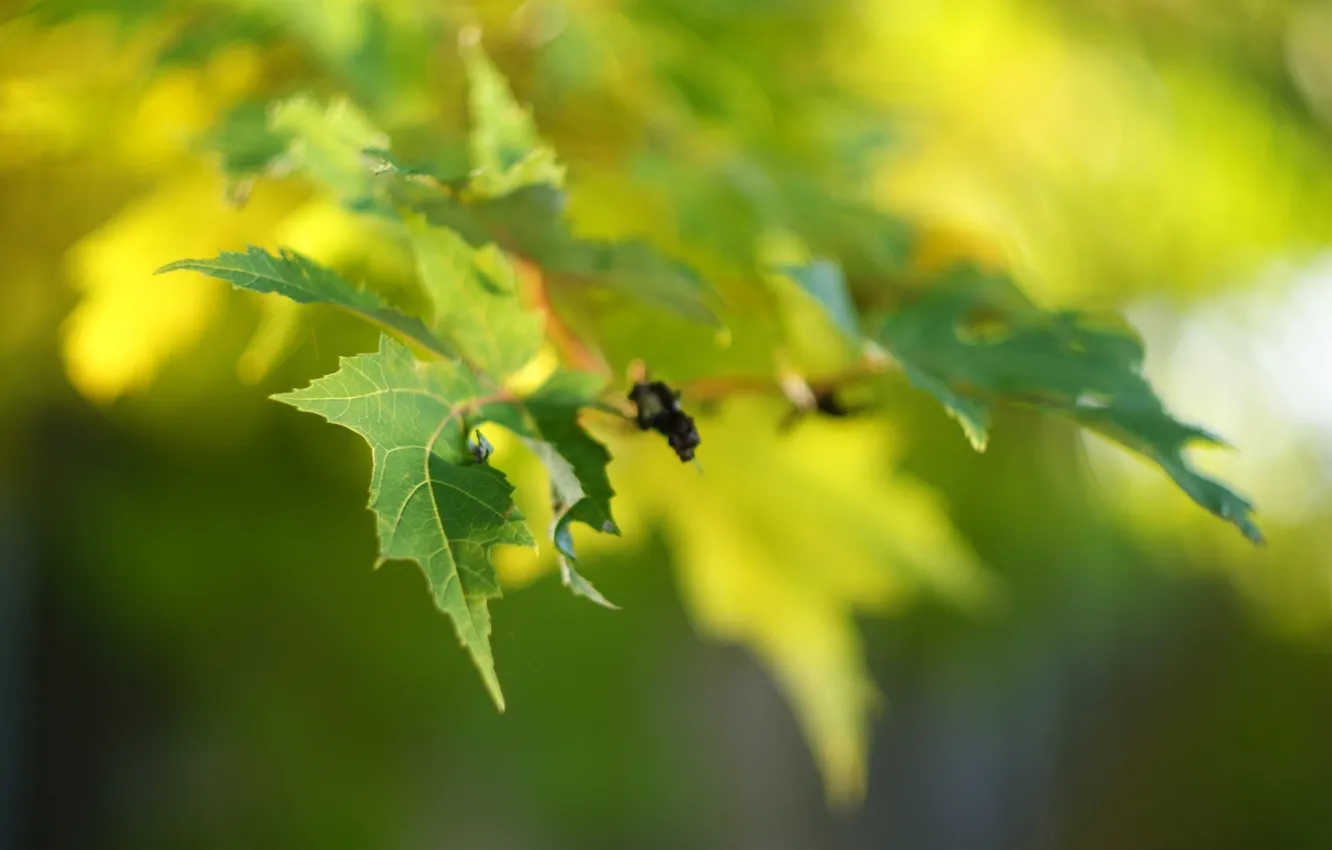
column 480, row 447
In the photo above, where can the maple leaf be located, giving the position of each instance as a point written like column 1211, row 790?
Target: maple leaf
column 529, row 222
column 506, row 150
column 433, row 502
column 974, row 340
column 307, row 282
column 475, row 293
column 581, row 491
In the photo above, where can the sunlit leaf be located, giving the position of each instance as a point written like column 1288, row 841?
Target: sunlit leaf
column 327, row 143
column 433, row 503
column 476, row 300
column 686, row 142
column 507, row 152
column 530, row 223
column 305, row 281
column 820, row 324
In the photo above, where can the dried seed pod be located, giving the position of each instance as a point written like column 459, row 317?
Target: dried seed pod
column 658, row 409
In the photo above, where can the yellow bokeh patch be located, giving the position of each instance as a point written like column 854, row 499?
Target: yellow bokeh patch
column 129, row 322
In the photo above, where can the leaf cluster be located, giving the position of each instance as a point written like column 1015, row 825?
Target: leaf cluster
column 488, row 241
column 421, row 398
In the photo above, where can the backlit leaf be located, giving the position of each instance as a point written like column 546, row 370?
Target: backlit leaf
column 433, row 503
column 305, row 281
column 530, row 223
column 476, row 299
column 327, row 143
column 507, row 152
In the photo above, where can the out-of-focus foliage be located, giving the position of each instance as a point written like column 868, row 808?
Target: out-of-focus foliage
column 1057, row 363
column 980, row 333
column 786, row 566
column 811, row 161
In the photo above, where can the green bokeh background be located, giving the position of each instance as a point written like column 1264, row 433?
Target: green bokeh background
column 195, row 653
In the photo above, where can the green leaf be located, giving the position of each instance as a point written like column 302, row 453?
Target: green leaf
column 307, row 282
column 244, row 142
column 328, row 143
column 574, row 580
column 971, row 413
column 866, row 241
column 635, row 268
column 341, row 149
column 507, row 152
column 1161, row 438
column 580, row 488
column 448, row 166
column 724, row 204
column 822, row 280
column 974, row 339
column 433, row 503
column 577, row 463
column 529, row 223
column 476, row 299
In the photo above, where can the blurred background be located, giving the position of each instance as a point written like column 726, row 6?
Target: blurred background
column 849, row 635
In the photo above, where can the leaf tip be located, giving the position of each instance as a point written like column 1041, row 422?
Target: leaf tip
column 1244, row 521
column 291, row 397
column 580, row 586
column 175, row 266
column 1204, row 436
column 491, row 680
column 978, row 437
column 975, row 425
